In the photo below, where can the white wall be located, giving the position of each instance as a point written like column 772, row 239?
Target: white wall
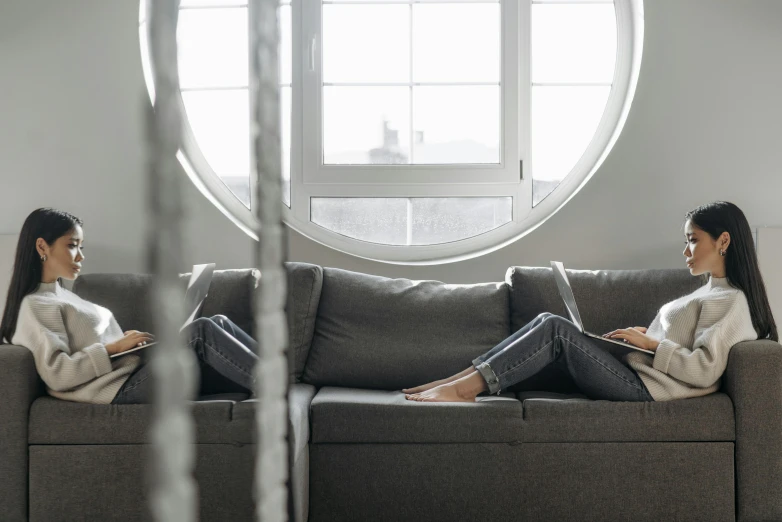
column 706, row 124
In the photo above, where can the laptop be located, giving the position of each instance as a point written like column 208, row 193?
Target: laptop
column 197, row 289
column 570, row 303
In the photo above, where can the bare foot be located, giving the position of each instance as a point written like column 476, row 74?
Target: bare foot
column 434, row 384
column 450, row 392
column 429, row 386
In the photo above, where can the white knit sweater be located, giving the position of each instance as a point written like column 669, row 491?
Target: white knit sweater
column 696, row 333
column 68, row 338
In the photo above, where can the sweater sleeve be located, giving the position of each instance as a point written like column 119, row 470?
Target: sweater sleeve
column 46, row 336
column 704, row 363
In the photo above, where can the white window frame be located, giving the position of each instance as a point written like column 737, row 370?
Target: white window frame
column 309, row 178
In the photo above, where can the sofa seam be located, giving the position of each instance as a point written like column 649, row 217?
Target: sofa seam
column 304, row 327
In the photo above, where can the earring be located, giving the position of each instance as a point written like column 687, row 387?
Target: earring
column 722, row 252
column 43, row 258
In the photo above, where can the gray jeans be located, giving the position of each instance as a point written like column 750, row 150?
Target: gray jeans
column 218, row 344
column 551, row 339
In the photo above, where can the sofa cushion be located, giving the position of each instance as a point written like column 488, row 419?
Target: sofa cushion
column 554, row 417
column 354, row 415
column 349, row 415
column 128, row 295
column 219, row 419
column 381, row 333
column 606, row 299
column 305, row 282
column 230, row 294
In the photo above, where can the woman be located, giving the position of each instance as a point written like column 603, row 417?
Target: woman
column 71, row 339
column 691, row 336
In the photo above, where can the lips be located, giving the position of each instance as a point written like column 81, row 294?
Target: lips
column 77, row 268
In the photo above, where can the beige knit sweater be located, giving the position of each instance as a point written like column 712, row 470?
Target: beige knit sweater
column 696, row 333
column 68, row 338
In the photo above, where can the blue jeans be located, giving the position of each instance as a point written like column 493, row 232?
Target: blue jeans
column 217, row 342
column 551, row 339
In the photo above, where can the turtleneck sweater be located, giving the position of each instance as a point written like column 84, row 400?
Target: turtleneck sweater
column 67, row 336
column 696, row 333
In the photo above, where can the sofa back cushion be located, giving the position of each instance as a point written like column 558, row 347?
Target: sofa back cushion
column 381, row 333
column 230, row 294
column 305, row 282
column 606, row 299
column 128, row 296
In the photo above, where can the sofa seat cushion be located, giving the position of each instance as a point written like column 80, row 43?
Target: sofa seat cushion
column 572, row 417
column 218, row 420
column 360, row 415
column 352, row 415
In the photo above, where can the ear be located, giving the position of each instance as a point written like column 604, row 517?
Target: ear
column 724, row 240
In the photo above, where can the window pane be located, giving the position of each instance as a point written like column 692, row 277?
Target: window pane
column 366, row 43
column 573, row 43
column 240, row 186
column 220, row 123
column 564, row 120
column 456, row 43
column 377, row 220
column 285, row 137
column 286, row 45
column 441, row 220
column 456, row 124
column 434, row 220
column 363, row 125
column 212, row 47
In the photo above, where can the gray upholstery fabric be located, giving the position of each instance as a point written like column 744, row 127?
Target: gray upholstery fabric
column 348, row 415
column 753, row 381
column 107, row 482
column 380, row 333
column 127, row 295
column 305, row 282
column 708, row 418
column 19, row 387
column 222, row 426
column 556, row 482
column 53, row 421
column 359, row 416
column 606, row 299
column 230, row 294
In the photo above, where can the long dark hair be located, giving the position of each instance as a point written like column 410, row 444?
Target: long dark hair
column 741, row 261
column 49, row 224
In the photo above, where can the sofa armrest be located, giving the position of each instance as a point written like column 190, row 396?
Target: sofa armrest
column 20, row 385
column 753, row 380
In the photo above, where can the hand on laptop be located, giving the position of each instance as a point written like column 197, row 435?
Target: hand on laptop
column 635, row 336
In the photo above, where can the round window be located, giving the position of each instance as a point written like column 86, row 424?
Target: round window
column 412, row 132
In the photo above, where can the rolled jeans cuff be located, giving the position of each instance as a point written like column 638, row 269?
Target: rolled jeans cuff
column 488, row 374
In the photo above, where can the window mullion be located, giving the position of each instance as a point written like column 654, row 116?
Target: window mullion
column 522, row 205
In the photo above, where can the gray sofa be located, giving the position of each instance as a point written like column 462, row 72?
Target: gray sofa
column 540, row 451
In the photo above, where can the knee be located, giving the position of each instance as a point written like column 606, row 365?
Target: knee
column 554, row 321
column 545, row 316
column 203, row 322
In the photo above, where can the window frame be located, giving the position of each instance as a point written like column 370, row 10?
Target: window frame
column 439, row 180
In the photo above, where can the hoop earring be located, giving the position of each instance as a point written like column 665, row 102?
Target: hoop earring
column 722, row 252
column 43, row 258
